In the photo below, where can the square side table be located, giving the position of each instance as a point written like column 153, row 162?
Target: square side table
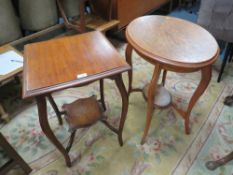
column 71, row 62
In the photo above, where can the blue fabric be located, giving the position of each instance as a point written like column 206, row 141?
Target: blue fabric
column 184, row 14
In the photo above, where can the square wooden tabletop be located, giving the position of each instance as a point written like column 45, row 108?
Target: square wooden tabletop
column 69, row 61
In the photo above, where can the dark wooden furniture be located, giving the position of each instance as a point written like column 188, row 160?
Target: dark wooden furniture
column 92, row 21
column 57, row 64
column 126, row 11
column 15, row 158
column 80, row 27
column 171, row 44
column 82, row 113
column 212, row 165
column 228, row 100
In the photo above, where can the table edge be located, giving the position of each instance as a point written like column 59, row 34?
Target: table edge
column 78, row 82
column 171, row 65
column 152, row 58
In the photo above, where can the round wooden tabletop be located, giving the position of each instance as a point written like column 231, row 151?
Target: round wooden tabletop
column 172, row 42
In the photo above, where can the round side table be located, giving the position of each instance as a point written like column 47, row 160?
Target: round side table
column 171, row 44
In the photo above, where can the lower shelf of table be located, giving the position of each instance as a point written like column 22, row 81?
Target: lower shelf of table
column 162, row 96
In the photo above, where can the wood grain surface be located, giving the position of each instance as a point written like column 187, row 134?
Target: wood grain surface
column 172, row 41
column 171, row 44
column 54, row 64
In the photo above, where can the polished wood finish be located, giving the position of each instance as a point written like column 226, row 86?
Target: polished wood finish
column 124, row 105
column 102, row 100
column 164, row 38
column 101, row 25
column 128, row 56
column 61, row 69
column 44, row 123
column 87, row 111
column 151, row 99
column 55, row 108
column 171, row 44
column 15, row 158
column 126, row 11
column 82, row 113
column 54, row 65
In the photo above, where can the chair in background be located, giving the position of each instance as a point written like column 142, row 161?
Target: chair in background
column 15, row 158
column 80, row 27
column 89, row 18
column 217, row 17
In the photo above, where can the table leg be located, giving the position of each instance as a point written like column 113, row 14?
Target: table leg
column 128, row 55
column 55, row 108
column 205, row 79
column 228, row 100
column 14, row 157
column 212, row 165
column 164, row 77
column 3, row 114
column 124, row 98
column 151, row 97
column 43, row 118
column 102, row 94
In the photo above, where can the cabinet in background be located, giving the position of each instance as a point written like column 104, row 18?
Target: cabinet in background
column 127, row 10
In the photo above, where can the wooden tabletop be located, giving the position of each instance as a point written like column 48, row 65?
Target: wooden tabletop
column 172, row 41
column 3, row 49
column 54, row 65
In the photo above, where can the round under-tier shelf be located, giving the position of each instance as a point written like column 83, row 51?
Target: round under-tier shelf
column 162, row 97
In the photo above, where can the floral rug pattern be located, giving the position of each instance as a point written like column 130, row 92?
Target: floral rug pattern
column 96, row 150
column 219, row 144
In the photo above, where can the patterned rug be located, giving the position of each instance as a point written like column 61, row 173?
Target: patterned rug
column 219, row 144
column 220, row 141
column 96, row 151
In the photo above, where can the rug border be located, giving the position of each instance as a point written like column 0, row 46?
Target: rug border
column 189, row 156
